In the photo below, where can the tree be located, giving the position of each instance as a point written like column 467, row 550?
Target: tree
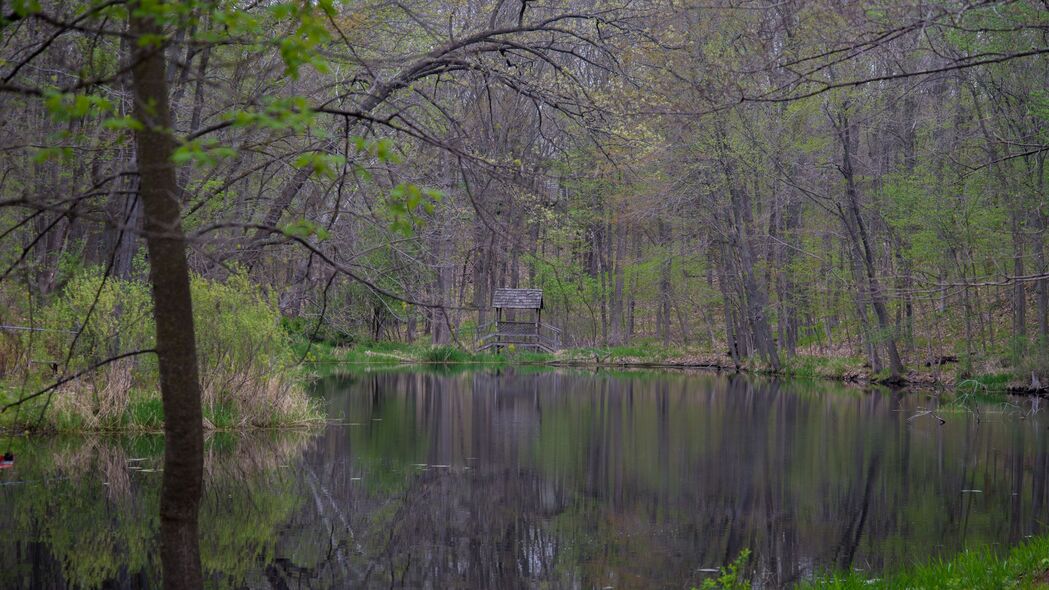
column 172, row 305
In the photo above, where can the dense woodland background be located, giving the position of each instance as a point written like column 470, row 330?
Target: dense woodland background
column 757, row 178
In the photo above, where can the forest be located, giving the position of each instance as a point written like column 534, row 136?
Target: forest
column 760, row 180
column 200, row 198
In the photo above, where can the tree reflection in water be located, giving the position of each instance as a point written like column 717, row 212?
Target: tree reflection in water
column 556, row 479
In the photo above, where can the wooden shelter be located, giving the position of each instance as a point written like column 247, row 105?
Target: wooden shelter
column 528, row 333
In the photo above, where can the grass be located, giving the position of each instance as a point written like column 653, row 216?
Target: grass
column 74, row 410
column 999, row 381
column 446, row 354
column 221, row 416
column 395, row 353
column 1025, row 566
column 245, row 364
column 815, row 367
column 147, row 413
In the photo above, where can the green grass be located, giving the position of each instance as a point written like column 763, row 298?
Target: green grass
column 396, row 353
column 221, row 416
column 997, row 381
column 1025, row 566
column 446, row 354
column 146, row 413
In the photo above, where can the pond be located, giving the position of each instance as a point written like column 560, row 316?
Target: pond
column 565, row 479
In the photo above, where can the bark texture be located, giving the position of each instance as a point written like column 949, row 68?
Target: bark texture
column 173, row 312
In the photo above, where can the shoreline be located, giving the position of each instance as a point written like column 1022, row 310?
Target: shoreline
column 843, row 370
column 839, row 369
column 16, row 431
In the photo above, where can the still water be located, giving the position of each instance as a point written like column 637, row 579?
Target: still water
column 556, row 479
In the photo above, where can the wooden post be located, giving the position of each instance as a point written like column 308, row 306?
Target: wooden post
column 538, row 323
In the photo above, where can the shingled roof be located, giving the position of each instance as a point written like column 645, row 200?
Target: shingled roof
column 517, row 299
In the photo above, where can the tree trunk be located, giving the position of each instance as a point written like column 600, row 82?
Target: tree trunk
column 1019, row 295
column 173, row 313
column 754, row 291
column 602, row 268
column 736, row 347
column 665, row 267
column 782, row 257
column 1038, row 245
column 618, row 325
column 857, row 231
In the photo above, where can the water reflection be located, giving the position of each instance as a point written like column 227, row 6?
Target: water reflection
column 549, row 479
column 83, row 513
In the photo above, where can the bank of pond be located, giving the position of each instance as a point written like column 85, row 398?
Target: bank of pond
column 941, row 372
column 514, row 476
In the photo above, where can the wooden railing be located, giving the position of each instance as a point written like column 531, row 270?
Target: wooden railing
column 541, row 337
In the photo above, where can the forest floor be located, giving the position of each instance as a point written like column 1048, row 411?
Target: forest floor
column 943, row 372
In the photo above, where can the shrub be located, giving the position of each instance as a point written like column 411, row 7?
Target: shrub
column 121, row 320
column 242, row 349
column 731, row 577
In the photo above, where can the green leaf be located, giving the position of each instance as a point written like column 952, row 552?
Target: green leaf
column 24, row 8
column 304, row 228
column 320, row 163
column 404, row 201
column 122, row 123
column 51, row 153
column 202, row 154
column 70, row 107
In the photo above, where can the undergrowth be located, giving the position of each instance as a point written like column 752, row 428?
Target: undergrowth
column 245, row 359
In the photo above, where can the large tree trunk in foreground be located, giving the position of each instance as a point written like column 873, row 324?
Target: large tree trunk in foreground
column 173, row 312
